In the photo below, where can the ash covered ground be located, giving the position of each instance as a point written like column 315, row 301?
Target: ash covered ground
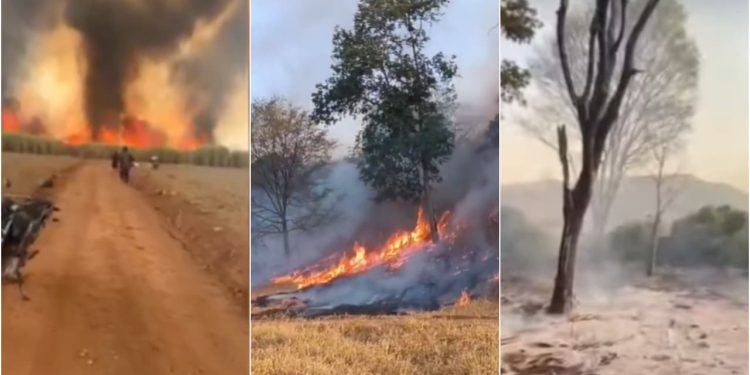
column 680, row 322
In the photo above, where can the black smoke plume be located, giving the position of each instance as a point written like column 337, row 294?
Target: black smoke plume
column 117, row 35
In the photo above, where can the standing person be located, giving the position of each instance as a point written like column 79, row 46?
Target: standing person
column 125, row 163
column 154, row 162
column 115, row 159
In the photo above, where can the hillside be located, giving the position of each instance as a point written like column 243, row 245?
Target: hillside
column 540, row 201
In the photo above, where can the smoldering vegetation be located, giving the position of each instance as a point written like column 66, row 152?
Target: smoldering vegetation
column 706, row 248
column 428, row 279
column 119, row 37
column 696, row 298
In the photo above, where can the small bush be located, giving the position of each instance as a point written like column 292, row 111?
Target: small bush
column 715, row 236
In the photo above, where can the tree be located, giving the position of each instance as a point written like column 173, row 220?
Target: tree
column 518, row 23
column 382, row 73
column 666, row 190
column 664, row 93
column 711, row 236
column 597, row 110
column 288, row 149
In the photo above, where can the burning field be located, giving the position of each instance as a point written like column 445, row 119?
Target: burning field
column 407, row 272
column 408, row 306
column 422, row 306
column 142, row 73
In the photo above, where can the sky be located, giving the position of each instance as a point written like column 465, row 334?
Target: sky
column 717, row 149
column 291, row 46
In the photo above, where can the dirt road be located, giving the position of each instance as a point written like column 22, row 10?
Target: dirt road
column 112, row 293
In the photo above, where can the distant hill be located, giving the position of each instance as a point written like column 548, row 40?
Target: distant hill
column 540, row 201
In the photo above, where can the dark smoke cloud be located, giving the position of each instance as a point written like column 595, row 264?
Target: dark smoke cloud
column 117, row 35
column 205, row 75
column 20, row 20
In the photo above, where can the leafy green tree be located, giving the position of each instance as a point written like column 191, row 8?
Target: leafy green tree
column 523, row 245
column 382, row 73
column 630, row 241
column 518, row 23
column 715, row 236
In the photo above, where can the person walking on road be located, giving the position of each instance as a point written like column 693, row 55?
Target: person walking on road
column 125, row 162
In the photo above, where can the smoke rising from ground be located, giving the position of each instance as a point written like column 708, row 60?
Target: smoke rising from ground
column 187, row 57
column 469, row 190
column 693, row 254
column 353, row 203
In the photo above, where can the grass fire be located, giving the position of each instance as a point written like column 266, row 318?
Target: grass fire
column 374, row 204
column 396, row 250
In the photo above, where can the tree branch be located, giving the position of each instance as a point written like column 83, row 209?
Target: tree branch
column 563, row 52
column 590, row 64
column 628, row 70
column 562, row 151
column 623, row 9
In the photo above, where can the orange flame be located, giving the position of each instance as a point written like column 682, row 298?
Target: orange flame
column 393, row 253
column 10, row 121
column 464, row 299
column 132, row 132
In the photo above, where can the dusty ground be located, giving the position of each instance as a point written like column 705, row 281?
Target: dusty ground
column 456, row 340
column 660, row 327
column 26, row 172
column 113, row 291
column 208, row 212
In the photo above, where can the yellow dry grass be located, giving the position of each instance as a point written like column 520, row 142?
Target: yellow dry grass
column 455, row 340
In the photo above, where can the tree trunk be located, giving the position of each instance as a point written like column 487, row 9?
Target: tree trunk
column 562, row 296
column 651, row 261
column 431, row 217
column 575, row 203
column 654, row 246
column 285, row 232
column 427, row 208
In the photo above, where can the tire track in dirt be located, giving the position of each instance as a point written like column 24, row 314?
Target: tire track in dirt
column 113, row 293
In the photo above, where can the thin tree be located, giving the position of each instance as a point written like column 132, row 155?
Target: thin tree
column 381, row 72
column 597, row 110
column 288, row 150
column 663, row 92
column 666, row 190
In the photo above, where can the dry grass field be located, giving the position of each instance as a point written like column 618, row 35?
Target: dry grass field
column 455, row 340
column 26, row 172
column 207, row 209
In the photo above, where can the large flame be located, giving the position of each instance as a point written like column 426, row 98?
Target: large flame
column 157, row 109
column 10, row 121
column 393, row 254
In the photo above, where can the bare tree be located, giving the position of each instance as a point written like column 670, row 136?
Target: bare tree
column 597, row 110
column 663, row 93
column 288, row 150
column 666, row 187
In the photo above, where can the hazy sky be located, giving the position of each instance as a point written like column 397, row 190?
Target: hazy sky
column 718, row 146
column 291, row 49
